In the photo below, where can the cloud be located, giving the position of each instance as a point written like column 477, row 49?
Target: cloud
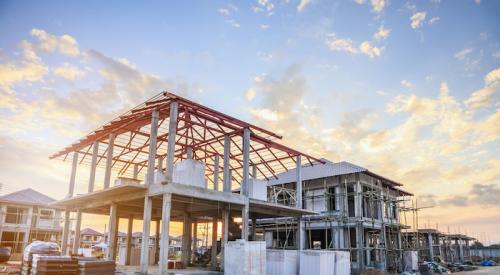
column 264, row 6
column 417, row 20
column 69, row 72
column 264, row 26
column 224, row 11
column 250, row 94
column 486, row 96
column 406, row 83
column 233, row 23
column 492, row 76
column 461, row 55
column 346, row 45
column 65, row 44
column 433, row 20
column 382, row 33
column 485, row 195
column 378, row 5
column 303, row 4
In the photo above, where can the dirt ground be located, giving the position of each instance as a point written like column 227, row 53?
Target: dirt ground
column 483, row 270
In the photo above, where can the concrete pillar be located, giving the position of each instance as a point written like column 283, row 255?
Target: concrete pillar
column 157, row 241
column 172, row 131
column 29, row 222
column 93, row 166
column 431, row 250
column 194, row 241
column 109, row 161
column 254, row 228
column 153, row 134
column 214, row 244
column 298, row 195
column 165, row 229
column 360, row 246
column 225, row 233
column 189, row 152
column 358, row 207
column 186, row 240
column 145, row 234
column 254, row 172
column 227, row 154
column 301, row 235
column 130, row 227
column 245, row 182
column 216, row 173
column 136, row 171
column 65, row 234
column 78, row 225
column 113, row 226
column 245, row 216
column 73, row 175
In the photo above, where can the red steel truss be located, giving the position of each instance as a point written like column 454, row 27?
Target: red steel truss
column 198, row 127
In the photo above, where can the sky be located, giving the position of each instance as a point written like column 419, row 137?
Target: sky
column 407, row 89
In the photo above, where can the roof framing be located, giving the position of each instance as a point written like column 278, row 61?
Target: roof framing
column 199, row 127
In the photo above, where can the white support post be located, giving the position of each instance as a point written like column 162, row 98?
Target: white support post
column 109, row 161
column 93, row 166
column 226, row 174
column 214, row 243
column 145, row 234
column 73, row 175
column 186, row 240
column 130, row 227
column 157, row 240
column 136, row 171
column 113, row 225
column 254, row 228
column 245, row 215
column 165, row 229
column 153, row 134
column 172, row 131
column 298, row 195
column 216, row 173
column 78, row 225
column 225, row 233
column 29, row 222
column 431, row 250
column 194, row 241
column 189, row 152
column 65, row 234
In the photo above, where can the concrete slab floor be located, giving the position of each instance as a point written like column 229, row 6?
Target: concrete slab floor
column 483, row 270
column 134, row 270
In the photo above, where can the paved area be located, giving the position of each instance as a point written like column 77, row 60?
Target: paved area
column 483, row 270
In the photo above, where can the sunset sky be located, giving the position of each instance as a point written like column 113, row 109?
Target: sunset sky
column 410, row 90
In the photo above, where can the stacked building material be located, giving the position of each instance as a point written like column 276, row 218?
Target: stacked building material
column 48, row 265
column 37, row 248
column 88, row 266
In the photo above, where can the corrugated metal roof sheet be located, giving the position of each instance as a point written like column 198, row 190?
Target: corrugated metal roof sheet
column 28, row 196
column 319, row 170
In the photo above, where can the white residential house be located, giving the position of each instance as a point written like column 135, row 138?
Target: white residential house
column 26, row 216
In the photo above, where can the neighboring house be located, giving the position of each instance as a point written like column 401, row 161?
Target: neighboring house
column 89, row 237
column 25, row 216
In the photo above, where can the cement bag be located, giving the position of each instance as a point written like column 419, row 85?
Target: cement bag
column 39, row 247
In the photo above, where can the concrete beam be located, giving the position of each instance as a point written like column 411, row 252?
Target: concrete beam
column 109, row 161
column 72, row 178
column 93, row 166
column 196, row 192
column 165, row 229
column 172, row 131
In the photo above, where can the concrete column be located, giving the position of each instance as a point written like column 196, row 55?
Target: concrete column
column 254, row 225
column 160, row 164
column 186, row 240
column 73, row 175
column 78, row 225
column 65, row 233
column 431, row 250
column 227, row 154
column 93, row 166
column 172, row 131
column 358, row 207
column 153, row 134
column 130, row 227
column 245, row 216
column 113, row 226
column 216, row 173
column 189, row 152
column 298, row 195
column 245, row 182
column 360, row 246
column 214, row 244
column 254, row 172
column 157, row 241
column 145, row 234
column 136, row 171
column 29, row 222
column 301, row 235
column 165, row 229
column 225, row 233
column 109, row 161
column 194, row 240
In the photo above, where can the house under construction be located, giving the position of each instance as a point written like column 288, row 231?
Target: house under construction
column 358, row 211
column 176, row 160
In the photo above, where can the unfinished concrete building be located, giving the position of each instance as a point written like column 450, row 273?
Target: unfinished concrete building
column 176, row 160
column 358, row 212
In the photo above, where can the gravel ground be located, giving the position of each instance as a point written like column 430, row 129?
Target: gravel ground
column 483, row 270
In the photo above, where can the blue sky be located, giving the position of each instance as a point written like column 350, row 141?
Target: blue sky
column 409, row 89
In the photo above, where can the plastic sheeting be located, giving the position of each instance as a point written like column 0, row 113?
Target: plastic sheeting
column 257, row 189
column 410, row 260
column 281, row 262
column 245, row 258
column 190, row 172
column 324, row 262
column 38, row 247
